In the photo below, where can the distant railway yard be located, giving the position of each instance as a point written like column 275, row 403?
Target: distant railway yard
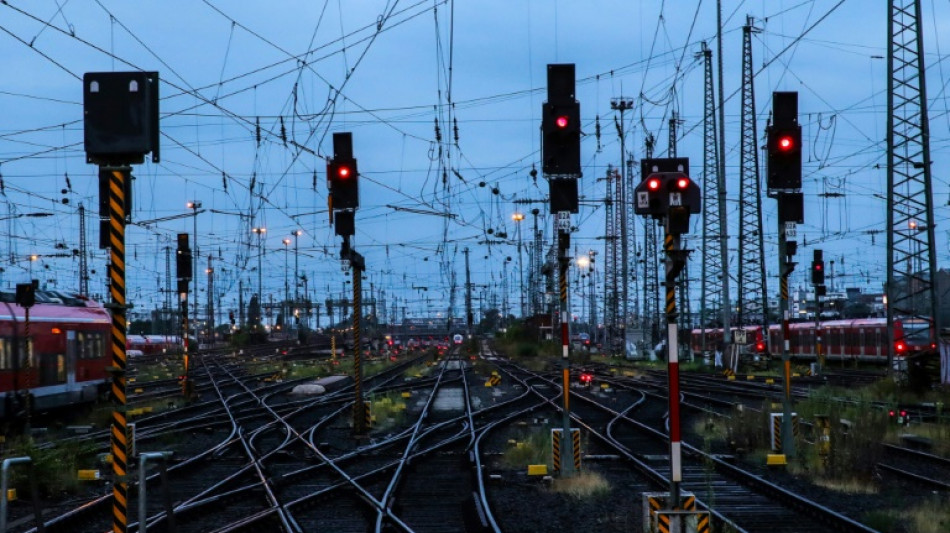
column 459, row 438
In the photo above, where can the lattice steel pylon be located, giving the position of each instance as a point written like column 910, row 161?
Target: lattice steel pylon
column 751, row 295
column 633, row 319
column 713, row 271
column 83, row 254
column 911, row 260
column 651, row 270
column 684, row 317
column 612, row 260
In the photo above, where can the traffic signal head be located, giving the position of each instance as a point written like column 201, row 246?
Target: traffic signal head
column 662, row 192
column 784, row 140
column 342, row 175
column 25, row 294
column 561, row 125
column 343, row 181
column 818, row 269
column 183, row 258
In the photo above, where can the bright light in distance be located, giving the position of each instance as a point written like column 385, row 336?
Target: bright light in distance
column 561, row 121
column 583, row 261
column 517, row 217
column 343, row 172
column 682, row 183
column 786, row 143
column 653, row 184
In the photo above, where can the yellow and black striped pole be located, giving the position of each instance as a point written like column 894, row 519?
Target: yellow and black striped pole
column 359, row 408
column 117, row 213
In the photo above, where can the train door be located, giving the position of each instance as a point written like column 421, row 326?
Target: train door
column 52, row 368
column 71, row 355
column 862, row 343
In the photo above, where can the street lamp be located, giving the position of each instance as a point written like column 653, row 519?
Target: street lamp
column 195, row 205
column 260, row 253
column 518, row 217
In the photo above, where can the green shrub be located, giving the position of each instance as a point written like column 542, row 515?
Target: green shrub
column 526, row 349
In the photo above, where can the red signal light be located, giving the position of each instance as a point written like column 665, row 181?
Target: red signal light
column 891, row 412
column 561, row 122
column 653, row 184
column 900, row 346
column 786, row 143
column 682, row 183
column 760, row 347
column 903, row 413
column 343, row 172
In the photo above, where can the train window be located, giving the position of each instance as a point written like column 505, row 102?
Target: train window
column 6, row 353
column 89, row 345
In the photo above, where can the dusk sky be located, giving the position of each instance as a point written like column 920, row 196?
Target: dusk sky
column 389, row 72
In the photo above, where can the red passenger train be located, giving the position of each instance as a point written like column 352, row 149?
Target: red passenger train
column 64, row 360
column 154, row 344
column 862, row 339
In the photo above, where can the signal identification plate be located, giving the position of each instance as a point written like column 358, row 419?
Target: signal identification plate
column 643, row 199
column 676, row 199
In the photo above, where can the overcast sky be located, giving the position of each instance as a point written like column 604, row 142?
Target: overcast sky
column 387, row 71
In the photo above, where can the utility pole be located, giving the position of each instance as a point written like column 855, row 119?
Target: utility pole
column 210, row 321
column 195, row 205
column 911, row 292
column 241, row 303
column 167, row 292
column 725, row 306
column 468, row 297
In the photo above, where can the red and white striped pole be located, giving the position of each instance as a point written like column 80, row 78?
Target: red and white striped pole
column 567, row 441
column 671, row 245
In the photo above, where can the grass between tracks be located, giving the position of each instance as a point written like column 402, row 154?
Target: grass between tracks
column 855, row 434
column 54, row 468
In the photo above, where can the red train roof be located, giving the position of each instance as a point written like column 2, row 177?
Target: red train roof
column 91, row 312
